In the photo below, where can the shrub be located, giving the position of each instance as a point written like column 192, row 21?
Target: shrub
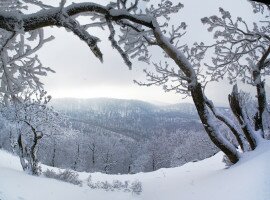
column 134, row 187
column 66, row 176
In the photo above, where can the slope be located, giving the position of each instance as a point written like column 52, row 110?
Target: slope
column 203, row 180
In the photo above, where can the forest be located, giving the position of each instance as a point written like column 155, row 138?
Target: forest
column 124, row 136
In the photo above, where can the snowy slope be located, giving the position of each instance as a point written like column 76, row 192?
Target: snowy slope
column 204, row 180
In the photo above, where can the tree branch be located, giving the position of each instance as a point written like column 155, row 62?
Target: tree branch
column 261, row 1
column 49, row 17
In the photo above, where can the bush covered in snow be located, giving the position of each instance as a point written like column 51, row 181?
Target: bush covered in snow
column 72, row 177
column 66, row 176
column 134, row 187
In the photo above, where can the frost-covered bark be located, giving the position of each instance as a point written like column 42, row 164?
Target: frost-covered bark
column 229, row 123
column 211, row 127
column 262, row 116
column 22, row 152
column 240, row 112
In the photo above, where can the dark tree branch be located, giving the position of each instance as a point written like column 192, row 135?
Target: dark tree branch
column 62, row 17
column 227, row 122
column 49, row 17
column 240, row 113
column 266, row 2
column 115, row 45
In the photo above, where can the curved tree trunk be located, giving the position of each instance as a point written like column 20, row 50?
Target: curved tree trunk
column 261, row 118
column 209, row 125
column 197, row 95
column 35, row 169
column 229, row 124
column 240, row 113
column 22, row 153
column 33, row 165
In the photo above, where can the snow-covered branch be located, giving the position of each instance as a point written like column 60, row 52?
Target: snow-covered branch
column 239, row 48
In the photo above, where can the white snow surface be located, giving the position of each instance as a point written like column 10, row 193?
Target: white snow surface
column 204, row 180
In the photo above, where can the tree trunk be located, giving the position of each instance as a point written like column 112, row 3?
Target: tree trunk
column 35, row 170
column 197, row 95
column 212, row 131
column 228, row 123
column 54, row 154
column 261, row 99
column 77, row 157
column 21, row 153
column 240, row 113
column 93, row 154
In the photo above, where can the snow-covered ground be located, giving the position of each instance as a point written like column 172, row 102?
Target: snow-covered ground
column 204, row 180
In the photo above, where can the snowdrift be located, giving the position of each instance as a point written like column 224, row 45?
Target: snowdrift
column 204, row 180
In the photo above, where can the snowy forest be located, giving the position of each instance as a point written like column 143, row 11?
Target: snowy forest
column 122, row 136
column 81, row 141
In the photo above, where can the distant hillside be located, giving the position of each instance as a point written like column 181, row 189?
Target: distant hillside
column 122, row 136
column 130, row 118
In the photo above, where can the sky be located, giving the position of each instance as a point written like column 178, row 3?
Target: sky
column 79, row 73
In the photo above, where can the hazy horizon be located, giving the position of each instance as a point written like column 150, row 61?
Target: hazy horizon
column 157, row 103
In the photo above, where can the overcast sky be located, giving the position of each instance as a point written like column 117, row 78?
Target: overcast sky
column 80, row 74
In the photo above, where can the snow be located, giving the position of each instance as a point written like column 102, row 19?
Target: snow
column 209, row 179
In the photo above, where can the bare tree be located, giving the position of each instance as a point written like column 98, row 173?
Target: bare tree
column 77, row 157
column 54, row 153
column 107, row 156
column 34, row 120
column 93, row 148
